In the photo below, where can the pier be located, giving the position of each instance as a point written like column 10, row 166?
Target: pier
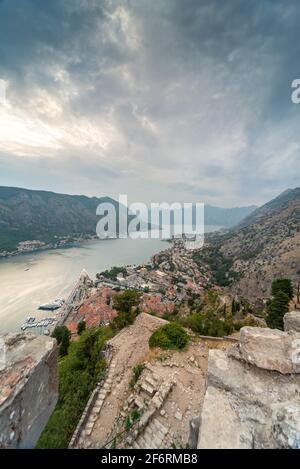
column 78, row 293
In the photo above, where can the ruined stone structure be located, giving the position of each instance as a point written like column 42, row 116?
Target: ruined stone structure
column 252, row 398
column 28, row 387
column 157, row 411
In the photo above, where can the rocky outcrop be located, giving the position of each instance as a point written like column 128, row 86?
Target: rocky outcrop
column 292, row 321
column 263, row 247
column 270, row 349
column 252, row 398
column 28, row 387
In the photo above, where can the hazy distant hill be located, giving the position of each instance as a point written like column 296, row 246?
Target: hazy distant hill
column 264, row 246
column 219, row 216
column 40, row 215
column 227, row 217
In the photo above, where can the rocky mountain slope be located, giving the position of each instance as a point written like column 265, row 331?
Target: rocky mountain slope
column 270, row 208
column 265, row 246
column 40, row 215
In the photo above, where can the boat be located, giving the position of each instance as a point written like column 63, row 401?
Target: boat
column 28, row 326
column 49, row 307
column 30, row 319
column 58, row 303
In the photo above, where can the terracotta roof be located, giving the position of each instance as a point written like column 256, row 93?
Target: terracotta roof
column 94, row 311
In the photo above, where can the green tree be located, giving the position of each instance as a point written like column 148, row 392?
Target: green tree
column 284, row 285
column 62, row 335
column 276, row 309
column 65, row 342
column 126, row 304
column 79, row 372
column 81, row 326
column 58, row 333
column 126, row 301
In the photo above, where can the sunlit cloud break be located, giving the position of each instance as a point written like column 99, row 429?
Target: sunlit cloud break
column 176, row 97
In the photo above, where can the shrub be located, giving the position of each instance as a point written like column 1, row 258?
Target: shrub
column 207, row 324
column 135, row 415
column 136, row 373
column 81, row 326
column 128, row 423
column 170, row 336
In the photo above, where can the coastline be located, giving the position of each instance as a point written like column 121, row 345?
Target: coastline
column 34, row 278
column 76, row 241
column 51, row 246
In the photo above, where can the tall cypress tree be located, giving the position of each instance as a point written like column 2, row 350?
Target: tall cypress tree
column 276, row 309
column 65, row 342
column 283, row 284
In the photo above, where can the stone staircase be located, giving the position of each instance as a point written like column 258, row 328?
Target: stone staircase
column 99, row 399
column 155, row 436
column 149, row 397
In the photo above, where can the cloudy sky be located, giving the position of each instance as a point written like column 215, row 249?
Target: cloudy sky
column 164, row 100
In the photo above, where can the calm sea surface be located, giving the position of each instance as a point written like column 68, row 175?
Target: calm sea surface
column 28, row 280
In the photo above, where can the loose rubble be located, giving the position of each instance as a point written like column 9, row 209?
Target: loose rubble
column 155, row 412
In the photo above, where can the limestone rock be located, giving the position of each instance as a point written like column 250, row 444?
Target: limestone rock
column 225, row 430
column 292, row 321
column 270, row 349
column 248, row 403
column 28, row 387
column 286, row 426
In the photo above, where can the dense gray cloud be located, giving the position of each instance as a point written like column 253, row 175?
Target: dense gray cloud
column 162, row 100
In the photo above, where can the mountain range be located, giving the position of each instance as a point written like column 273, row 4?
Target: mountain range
column 45, row 216
column 41, row 215
column 264, row 246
